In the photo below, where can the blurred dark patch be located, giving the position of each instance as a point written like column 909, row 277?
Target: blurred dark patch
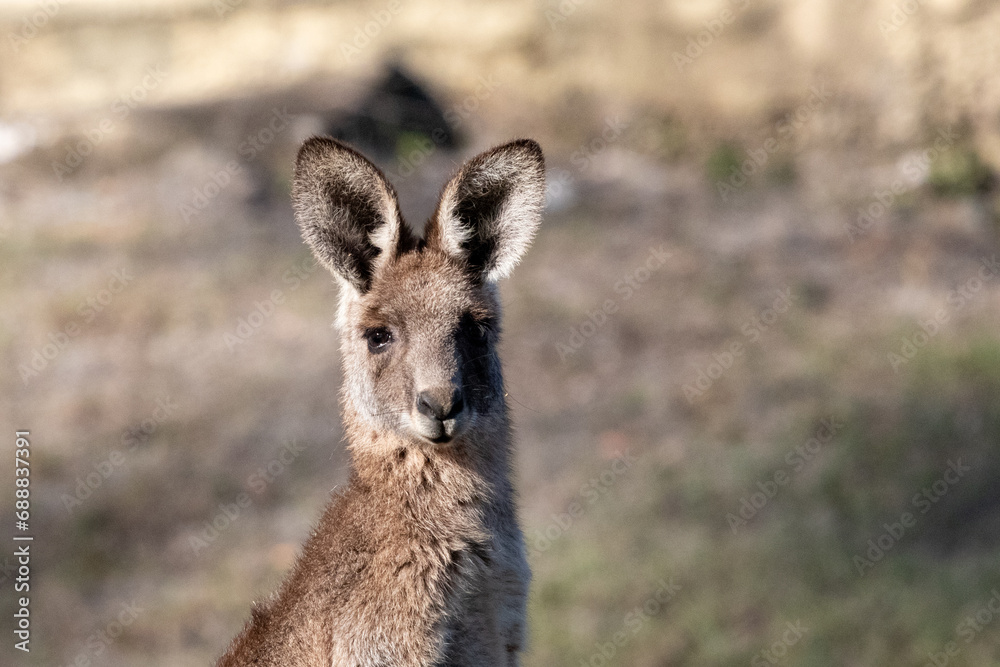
column 395, row 112
column 758, row 20
column 815, row 295
column 782, row 171
column 98, row 540
column 931, row 454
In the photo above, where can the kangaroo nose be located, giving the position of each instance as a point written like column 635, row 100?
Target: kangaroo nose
column 441, row 404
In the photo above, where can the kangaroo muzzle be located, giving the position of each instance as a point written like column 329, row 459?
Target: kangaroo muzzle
column 439, row 413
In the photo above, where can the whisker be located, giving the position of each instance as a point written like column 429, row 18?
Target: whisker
column 506, row 394
column 480, row 357
column 388, row 412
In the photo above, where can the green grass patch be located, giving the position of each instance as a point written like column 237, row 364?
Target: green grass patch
column 792, row 560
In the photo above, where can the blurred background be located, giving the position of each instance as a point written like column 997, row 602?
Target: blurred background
column 753, row 355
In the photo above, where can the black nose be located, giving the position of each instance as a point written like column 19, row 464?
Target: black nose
column 440, row 404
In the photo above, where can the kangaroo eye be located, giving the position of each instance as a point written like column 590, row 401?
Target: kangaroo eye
column 378, row 339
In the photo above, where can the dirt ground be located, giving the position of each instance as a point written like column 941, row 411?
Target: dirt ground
column 752, row 355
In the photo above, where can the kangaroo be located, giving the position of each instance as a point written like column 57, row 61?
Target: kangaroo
column 419, row 560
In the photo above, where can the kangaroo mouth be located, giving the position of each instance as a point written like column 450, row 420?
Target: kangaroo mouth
column 437, row 431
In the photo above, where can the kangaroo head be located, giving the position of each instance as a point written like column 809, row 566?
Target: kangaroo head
column 420, row 318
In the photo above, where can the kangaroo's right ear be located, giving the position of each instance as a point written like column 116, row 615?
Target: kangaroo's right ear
column 346, row 209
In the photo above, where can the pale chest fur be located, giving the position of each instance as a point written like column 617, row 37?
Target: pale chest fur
column 440, row 561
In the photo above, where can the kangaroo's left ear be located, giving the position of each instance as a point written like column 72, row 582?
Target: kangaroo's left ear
column 490, row 210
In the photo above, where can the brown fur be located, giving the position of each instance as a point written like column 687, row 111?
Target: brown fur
column 420, row 560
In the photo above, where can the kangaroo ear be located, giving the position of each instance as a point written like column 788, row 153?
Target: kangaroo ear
column 490, row 210
column 346, row 209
